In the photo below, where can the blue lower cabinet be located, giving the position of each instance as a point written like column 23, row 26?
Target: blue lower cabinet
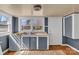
column 33, row 44
column 26, row 41
column 30, row 42
column 4, row 42
column 42, row 43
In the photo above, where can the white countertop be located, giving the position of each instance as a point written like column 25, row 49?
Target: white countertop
column 36, row 34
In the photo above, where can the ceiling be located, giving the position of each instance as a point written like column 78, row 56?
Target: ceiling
column 48, row 9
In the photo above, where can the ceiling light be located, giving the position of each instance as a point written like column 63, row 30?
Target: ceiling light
column 37, row 7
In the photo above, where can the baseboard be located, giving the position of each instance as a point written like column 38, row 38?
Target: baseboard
column 55, row 44
column 70, row 47
column 64, row 45
column 5, row 51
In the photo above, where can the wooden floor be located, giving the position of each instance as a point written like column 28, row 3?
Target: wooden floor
column 67, row 50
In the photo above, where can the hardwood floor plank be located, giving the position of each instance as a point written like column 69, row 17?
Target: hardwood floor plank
column 67, row 50
column 10, row 52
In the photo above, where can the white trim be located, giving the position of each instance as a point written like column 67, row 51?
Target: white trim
column 71, row 47
column 55, row 44
column 63, row 26
column 47, row 42
column 64, row 44
column 5, row 51
column 19, row 28
column 37, row 43
column 73, row 26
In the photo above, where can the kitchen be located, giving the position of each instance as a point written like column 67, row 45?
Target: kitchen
column 37, row 28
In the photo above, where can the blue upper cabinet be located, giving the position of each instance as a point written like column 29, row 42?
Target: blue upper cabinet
column 46, row 21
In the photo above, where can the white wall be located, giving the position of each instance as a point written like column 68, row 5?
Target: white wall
column 55, row 30
column 63, row 26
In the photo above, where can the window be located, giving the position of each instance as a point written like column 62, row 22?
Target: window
column 31, row 24
column 3, row 24
column 25, row 24
column 3, row 19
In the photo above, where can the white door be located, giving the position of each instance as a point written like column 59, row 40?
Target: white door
column 55, row 30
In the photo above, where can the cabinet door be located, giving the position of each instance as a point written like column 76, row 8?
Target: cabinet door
column 33, row 43
column 26, row 41
column 5, row 42
column 42, row 43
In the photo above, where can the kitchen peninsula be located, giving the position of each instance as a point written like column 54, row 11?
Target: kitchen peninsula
column 35, row 40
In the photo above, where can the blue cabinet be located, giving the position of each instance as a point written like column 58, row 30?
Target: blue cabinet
column 42, row 43
column 35, row 43
column 30, row 42
column 26, row 41
column 5, row 42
